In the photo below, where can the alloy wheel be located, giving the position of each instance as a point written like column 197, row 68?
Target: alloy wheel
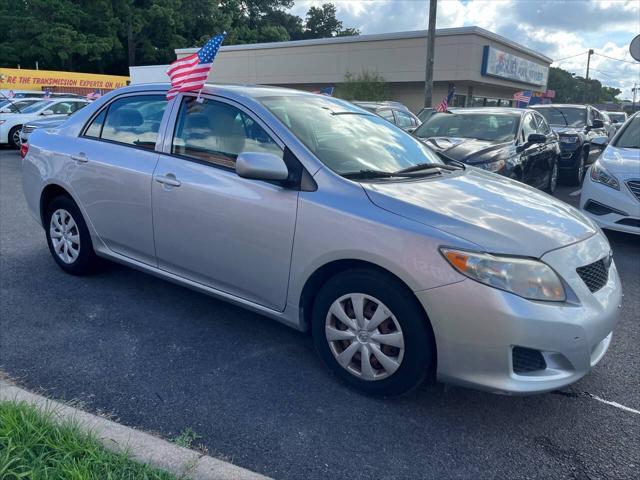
column 364, row 336
column 16, row 138
column 65, row 236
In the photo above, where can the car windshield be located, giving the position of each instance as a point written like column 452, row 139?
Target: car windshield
column 630, row 136
column 564, row 116
column 483, row 126
column 35, row 107
column 346, row 139
column 619, row 117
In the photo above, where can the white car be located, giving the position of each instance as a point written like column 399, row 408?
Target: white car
column 15, row 105
column 11, row 123
column 611, row 190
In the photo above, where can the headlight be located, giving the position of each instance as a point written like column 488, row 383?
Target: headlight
column 530, row 279
column 568, row 139
column 599, row 174
column 493, row 166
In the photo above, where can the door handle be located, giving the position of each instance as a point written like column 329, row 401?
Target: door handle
column 80, row 158
column 169, row 179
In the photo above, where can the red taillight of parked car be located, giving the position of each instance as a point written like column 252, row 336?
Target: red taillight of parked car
column 24, row 148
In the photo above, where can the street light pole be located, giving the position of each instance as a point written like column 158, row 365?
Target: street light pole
column 431, row 40
column 586, row 79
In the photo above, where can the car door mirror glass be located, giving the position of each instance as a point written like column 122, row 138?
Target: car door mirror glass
column 536, row 138
column 261, row 166
column 47, row 112
column 600, row 141
column 597, row 123
column 5, row 110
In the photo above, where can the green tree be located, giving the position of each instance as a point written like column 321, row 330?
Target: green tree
column 571, row 88
column 366, row 85
column 322, row 22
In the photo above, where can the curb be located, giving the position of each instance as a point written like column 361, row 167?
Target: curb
column 141, row 446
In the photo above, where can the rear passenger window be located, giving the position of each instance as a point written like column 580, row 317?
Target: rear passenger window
column 217, row 133
column 131, row 120
column 404, row 119
column 387, row 115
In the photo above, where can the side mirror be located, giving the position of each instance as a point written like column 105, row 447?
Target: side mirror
column 536, row 138
column 601, row 141
column 597, row 123
column 614, row 120
column 47, row 112
column 261, row 166
column 5, row 110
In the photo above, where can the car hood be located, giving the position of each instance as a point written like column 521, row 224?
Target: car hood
column 567, row 130
column 621, row 161
column 468, row 150
column 500, row 215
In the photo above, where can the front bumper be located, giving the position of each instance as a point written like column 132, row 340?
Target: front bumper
column 626, row 218
column 477, row 327
column 569, row 155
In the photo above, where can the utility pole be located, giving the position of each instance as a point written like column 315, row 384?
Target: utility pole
column 431, row 41
column 586, row 79
column 634, row 90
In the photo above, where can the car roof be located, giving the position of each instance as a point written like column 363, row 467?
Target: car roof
column 382, row 104
column 494, row 110
column 556, row 105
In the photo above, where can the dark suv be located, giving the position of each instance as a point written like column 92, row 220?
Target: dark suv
column 577, row 126
column 395, row 112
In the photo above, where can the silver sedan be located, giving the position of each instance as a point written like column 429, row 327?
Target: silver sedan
column 316, row 213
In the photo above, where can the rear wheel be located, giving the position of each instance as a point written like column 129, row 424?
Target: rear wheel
column 372, row 333
column 68, row 237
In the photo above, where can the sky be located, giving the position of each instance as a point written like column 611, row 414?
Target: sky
column 555, row 28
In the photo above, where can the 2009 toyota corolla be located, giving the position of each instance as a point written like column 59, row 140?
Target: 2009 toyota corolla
column 325, row 217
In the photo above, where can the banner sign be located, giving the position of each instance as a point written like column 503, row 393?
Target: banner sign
column 496, row 63
column 22, row 79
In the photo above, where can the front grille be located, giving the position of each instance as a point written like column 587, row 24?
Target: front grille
column 527, row 360
column 630, row 222
column 595, row 275
column 634, row 186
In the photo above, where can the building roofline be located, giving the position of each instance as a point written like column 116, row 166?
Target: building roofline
column 441, row 32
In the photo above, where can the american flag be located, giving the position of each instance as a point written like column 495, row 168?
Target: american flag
column 190, row 73
column 523, row 96
column 444, row 104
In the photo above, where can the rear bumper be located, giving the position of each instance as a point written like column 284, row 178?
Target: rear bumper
column 569, row 156
column 477, row 327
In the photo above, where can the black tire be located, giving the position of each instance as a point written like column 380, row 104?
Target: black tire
column 12, row 136
column 418, row 359
column 553, row 179
column 86, row 259
column 576, row 174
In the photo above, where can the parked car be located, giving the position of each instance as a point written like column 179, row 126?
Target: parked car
column 576, row 125
column 10, row 124
column 395, row 112
column 15, row 105
column 609, row 127
column 610, row 193
column 50, row 121
column 617, row 119
column 513, row 142
column 311, row 211
column 37, row 94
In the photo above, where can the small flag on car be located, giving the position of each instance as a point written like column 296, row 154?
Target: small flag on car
column 446, row 101
column 190, row 73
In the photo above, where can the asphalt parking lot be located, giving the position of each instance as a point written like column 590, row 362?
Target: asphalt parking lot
column 163, row 358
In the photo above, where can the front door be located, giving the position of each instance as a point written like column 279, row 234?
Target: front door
column 533, row 155
column 212, row 226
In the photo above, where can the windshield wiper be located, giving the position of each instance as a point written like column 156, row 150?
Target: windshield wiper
column 563, row 115
column 425, row 166
column 369, row 174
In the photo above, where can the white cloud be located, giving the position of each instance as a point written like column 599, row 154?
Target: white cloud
column 556, row 28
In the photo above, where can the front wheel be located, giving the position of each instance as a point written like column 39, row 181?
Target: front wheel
column 68, row 237
column 577, row 173
column 14, row 136
column 372, row 333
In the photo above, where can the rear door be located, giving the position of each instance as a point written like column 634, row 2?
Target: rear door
column 212, row 226
column 114, row 162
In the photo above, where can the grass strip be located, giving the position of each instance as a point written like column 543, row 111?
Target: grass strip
column 35, row 447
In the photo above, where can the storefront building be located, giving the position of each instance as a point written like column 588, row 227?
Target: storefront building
column 20, row 79
column 486, row 69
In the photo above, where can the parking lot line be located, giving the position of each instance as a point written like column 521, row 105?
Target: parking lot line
column 615, row 404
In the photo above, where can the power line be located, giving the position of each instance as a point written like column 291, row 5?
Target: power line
column 567, row 58
column 616, row 59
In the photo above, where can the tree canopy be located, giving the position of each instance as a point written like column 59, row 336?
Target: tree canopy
column 571, row 88
column 106, row 36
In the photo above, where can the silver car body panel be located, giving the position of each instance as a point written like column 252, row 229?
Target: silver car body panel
column 257, row 244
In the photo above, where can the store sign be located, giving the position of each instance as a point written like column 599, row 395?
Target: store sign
column 22, row 79
column 496, row 63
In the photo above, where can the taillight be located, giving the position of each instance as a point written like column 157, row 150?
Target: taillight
column 24, row 148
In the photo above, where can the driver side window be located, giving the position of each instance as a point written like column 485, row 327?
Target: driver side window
column 528, row 127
